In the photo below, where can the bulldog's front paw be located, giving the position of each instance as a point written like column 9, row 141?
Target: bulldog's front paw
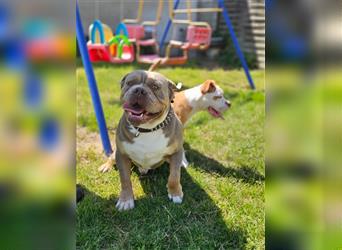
column 105, row 167
column 108, row 165
column 125, row 205
column 175, row 194
column 176, row 198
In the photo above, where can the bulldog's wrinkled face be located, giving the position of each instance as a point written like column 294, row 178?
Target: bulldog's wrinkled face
column 145, row 96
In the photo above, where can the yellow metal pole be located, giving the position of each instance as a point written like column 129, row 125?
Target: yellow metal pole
column 200, row 23
column 179, row 21
column 189, row 12
column 137, row 20
column 171, row 15
column 188, row 6
column 180, row 11
column 159, row 11
column 158, row 16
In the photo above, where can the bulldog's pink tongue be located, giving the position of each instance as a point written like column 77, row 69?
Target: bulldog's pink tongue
column 136, row 111
column 132, row 109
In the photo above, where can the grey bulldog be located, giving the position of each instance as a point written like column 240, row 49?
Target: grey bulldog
column 149, row 133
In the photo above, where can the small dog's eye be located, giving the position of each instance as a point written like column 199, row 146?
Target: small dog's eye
column 217, row 97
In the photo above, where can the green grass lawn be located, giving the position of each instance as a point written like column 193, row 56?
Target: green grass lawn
column 223, row 205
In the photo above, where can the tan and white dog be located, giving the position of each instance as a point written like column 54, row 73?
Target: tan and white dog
column 148, row 134
column 207, row 96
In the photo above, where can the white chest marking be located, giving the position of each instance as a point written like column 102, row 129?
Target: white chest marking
column 148, row 149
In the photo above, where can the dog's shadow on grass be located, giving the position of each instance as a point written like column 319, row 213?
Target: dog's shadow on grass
column 210, row 165
column 155, row 222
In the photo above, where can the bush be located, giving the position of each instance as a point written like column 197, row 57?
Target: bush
column 228, row 56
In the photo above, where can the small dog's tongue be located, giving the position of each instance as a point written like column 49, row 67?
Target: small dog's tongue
column 215, row 113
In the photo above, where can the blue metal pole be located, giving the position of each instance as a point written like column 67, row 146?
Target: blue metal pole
column 92, row 84
column 168, row 26
column 236, row 43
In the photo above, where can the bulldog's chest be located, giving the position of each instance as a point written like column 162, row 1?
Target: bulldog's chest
column 148, row 149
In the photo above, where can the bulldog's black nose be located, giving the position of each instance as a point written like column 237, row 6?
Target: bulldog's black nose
column 140, row 91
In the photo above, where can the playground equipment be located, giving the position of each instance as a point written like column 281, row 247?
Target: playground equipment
column 221, row 8
column 198, row 37
column 106, row 30
column 106, row 48
column 144, row 33
column 137, row 28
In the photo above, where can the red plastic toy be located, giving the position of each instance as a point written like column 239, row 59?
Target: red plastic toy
column 99, row 53
column 117, row 50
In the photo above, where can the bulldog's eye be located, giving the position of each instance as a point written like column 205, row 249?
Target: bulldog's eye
column 154, row 86
column 217, row 97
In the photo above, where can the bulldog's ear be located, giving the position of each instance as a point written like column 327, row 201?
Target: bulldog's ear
column 208, row 86
column 172, row 89
column 122, row 82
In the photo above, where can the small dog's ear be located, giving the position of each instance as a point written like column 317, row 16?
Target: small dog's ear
column 208, row 86
column 172, row 89
column 122, row 82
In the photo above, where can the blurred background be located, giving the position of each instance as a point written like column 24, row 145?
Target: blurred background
column 37, row 113
column 303, row 125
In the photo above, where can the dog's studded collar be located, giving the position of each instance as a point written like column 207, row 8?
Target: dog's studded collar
column 166, row 121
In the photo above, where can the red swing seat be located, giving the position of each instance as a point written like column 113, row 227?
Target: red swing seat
column 150, row 58
column 197, row 37
column 135, row 32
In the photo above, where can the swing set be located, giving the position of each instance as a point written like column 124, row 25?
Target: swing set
column 198, row 36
